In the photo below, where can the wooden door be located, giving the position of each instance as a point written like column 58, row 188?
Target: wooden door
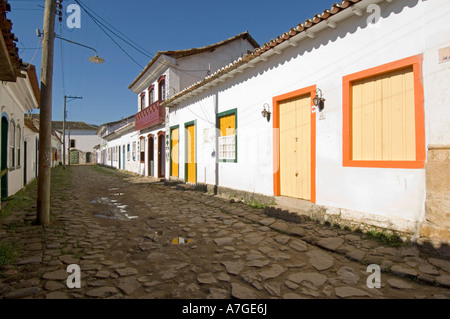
column 191, row 165
column 25, row 162
column 295, row 147
column 174, row 138
column 150, row 155
column 74, row 157
column 4, row 158
column 161, row 156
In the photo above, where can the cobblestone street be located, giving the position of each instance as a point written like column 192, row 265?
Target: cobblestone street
column 137, row 238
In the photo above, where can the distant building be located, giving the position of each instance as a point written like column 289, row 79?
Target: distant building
column 80, row 140
column 118, row 139
column 168, row 73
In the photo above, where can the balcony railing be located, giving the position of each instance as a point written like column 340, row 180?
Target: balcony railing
column 150, row 116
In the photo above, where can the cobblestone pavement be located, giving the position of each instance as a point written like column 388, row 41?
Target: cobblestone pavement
column 122, row 230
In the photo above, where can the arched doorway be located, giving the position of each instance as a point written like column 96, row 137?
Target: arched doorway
column 4, row 157
column 151, row 155
column 161, row 154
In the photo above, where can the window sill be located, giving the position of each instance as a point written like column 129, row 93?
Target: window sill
column 227, row 160
column 385, row 164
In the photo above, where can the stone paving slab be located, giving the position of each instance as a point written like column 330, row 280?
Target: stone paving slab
column 236, row 251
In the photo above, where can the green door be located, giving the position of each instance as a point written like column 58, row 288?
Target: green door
column 4, row 158
column 74, row 157
column 25, row 163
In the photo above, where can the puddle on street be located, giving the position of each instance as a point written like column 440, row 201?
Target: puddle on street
column 116, row 211
column 181, row 240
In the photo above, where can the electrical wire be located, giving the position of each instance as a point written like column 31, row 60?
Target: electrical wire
column 38, row 47
column 128, row 41
column 62, row 61
column 133, row 44
column 109, row 36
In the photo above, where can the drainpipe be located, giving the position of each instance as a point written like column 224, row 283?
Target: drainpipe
column 216, row 153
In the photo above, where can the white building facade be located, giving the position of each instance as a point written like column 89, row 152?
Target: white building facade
column 168, row 73
column 16, row 98
column 80, row 140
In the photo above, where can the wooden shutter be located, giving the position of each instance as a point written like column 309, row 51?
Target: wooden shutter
column 383, row 117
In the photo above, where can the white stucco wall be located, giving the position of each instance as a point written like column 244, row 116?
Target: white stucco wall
column 31, row 138
column 403, row 31
column 12, row 108
column 121, row 141
column 84, row 140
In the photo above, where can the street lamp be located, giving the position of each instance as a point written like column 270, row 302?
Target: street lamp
column 93, row 59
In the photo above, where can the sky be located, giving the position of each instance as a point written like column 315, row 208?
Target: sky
column 151, row 26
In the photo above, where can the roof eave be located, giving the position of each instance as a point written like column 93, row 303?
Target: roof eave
column 308, row 29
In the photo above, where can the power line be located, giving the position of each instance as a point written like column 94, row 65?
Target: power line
column 62, row 61
column 109, row 36
column 133, row 44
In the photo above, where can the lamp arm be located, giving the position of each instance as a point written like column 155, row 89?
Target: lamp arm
column 70, row 41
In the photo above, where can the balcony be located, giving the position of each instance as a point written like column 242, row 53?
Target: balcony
column 150, row 116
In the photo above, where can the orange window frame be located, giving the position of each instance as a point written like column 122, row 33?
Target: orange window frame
column 276, row 139
column 416, row 63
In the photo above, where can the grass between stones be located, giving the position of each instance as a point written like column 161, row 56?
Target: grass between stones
column 8, row 253
column 24, row 201
column 385, row 238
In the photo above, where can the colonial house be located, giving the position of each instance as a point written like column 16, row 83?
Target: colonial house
column 19, row 93
column 348, row 112
column 80, row 140
column 168, row 73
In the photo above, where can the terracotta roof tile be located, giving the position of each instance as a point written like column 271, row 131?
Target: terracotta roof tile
column 184, row 53
column 9, row 40
column 301, row 27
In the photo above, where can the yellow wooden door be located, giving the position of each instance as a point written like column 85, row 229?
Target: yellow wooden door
column 295, row 147
column 174, row 135
column 190, row 149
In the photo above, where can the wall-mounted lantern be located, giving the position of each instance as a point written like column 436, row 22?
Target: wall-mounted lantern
column 266, row 113
column 319, row 101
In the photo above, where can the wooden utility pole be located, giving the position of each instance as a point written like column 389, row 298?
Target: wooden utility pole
column 45, row 125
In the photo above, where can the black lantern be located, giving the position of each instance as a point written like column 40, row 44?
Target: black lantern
column 319, row 101
column 266, row 113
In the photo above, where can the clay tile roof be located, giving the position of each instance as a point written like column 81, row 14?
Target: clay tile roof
column 10, row 60
column 29, row 123
column 301, row 27
column 58, row 125
column 184, row 53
